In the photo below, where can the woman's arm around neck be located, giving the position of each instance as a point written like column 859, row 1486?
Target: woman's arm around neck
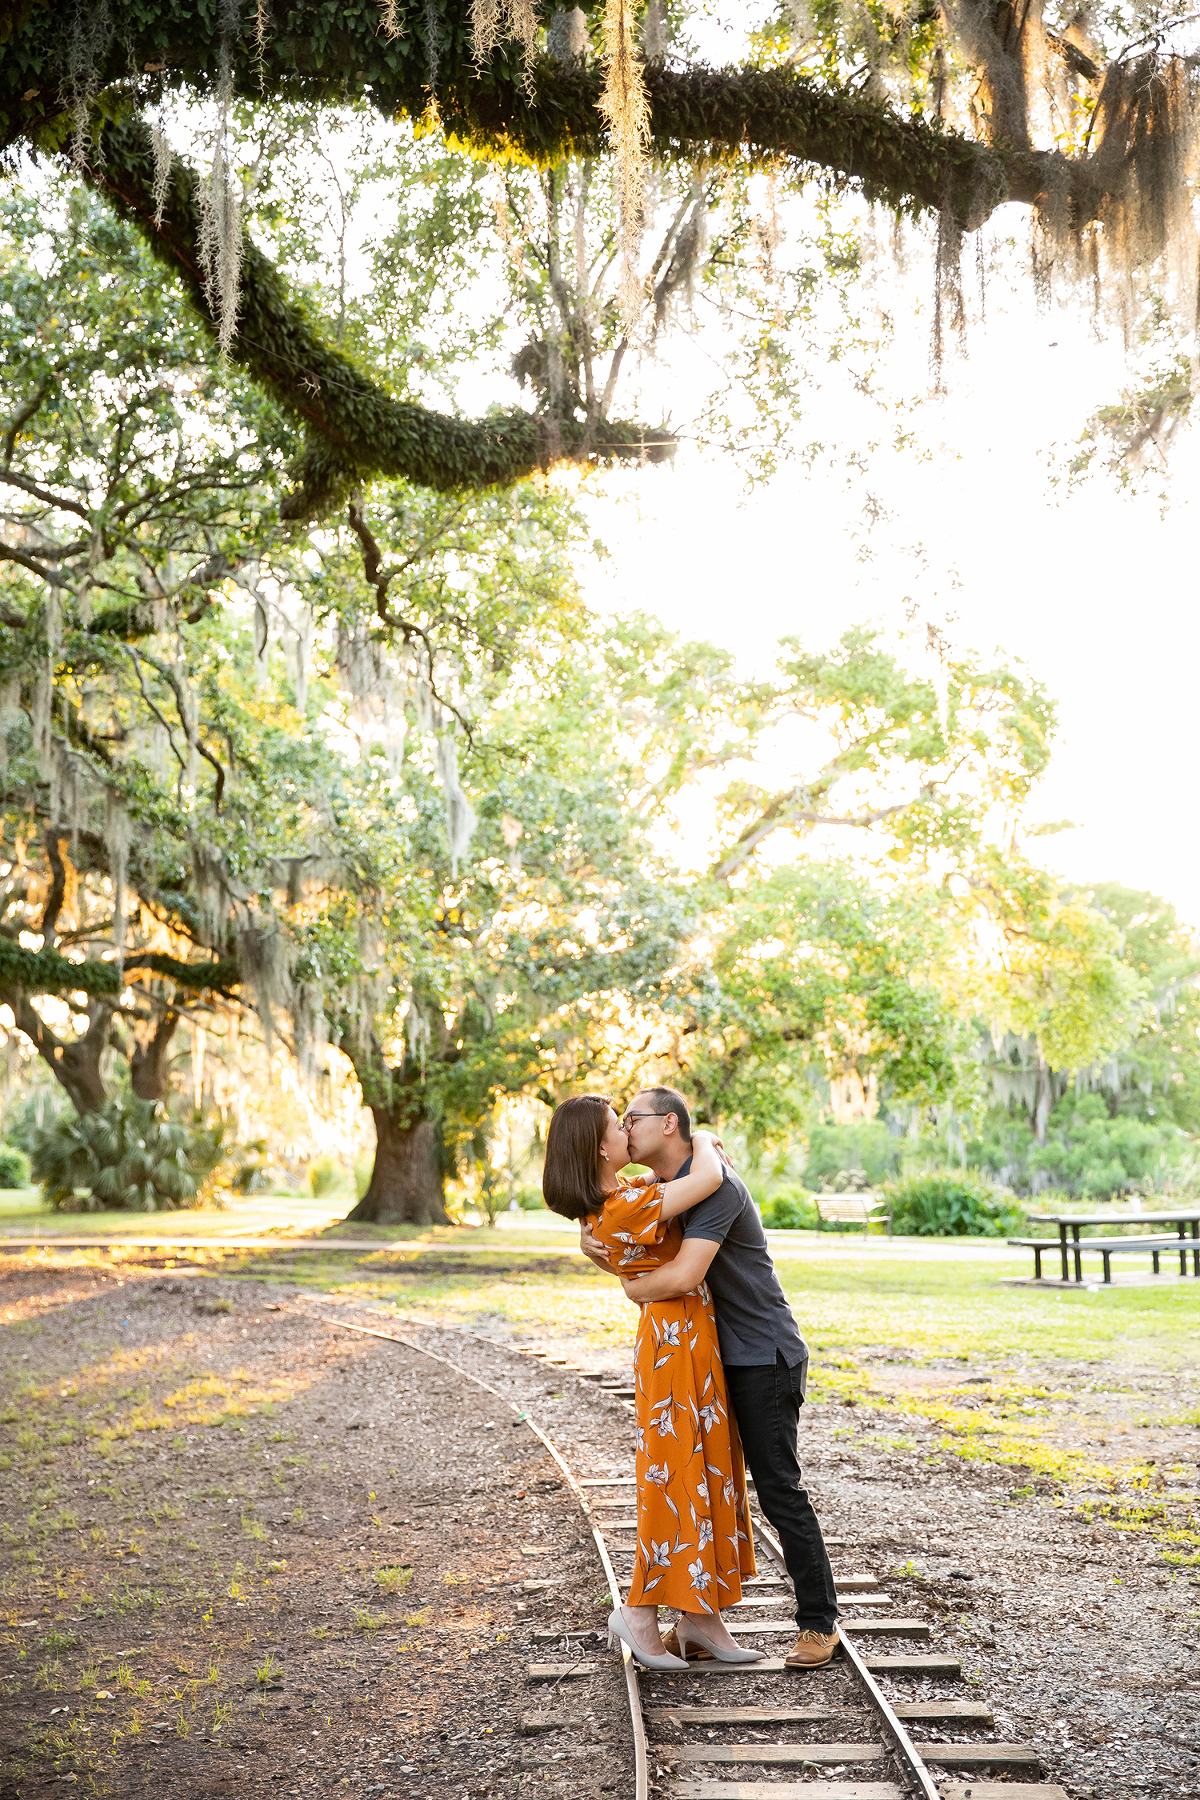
column 702, row 1179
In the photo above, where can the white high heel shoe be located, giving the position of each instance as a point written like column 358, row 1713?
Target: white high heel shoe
column 618, row 1628
column 689, row 1635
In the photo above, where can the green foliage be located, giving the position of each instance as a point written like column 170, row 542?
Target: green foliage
column 129, row 1154
column 952, row 1203
column 324, row 1176
column 530, row 1199
column 1159, row 1072
column 254, row 1174
column 14, row 1167
column 1088, row 1152
column 868, row 1146
column 811, row 973
column 1067, row 986
column 336, row 53
column 790, row 1212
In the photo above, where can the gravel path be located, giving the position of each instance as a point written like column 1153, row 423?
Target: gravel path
column 245, row 1550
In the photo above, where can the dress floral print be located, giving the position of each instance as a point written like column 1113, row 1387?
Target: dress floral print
column 694, row 1538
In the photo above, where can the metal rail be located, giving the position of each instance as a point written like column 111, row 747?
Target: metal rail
column 641, row 1759
column 909, row 1755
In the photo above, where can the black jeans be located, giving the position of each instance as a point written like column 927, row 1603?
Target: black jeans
column 767, row 1398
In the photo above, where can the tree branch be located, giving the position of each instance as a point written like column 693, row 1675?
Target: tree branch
column 356, row 429
column 781, row 814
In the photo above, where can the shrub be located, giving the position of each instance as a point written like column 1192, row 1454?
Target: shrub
column 323, row 1176
column 14, row 1168
column 530, row 1199
column 254, row 1174
column 129, row 1154
column 1087, row 1153
column 790, row 1212
column 951, row 1203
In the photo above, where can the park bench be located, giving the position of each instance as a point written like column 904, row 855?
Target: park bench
column 853, row 1209
column 1106, row 1249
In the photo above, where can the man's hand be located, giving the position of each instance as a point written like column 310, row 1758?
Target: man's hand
column 594, row 1249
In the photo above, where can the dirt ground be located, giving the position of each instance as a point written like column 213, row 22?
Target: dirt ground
column 246, row 1549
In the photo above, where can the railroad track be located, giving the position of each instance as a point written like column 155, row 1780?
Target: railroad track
column 746, row 1732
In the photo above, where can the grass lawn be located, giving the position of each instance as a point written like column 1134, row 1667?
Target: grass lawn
column 1095, row 1391
column 1090, row 1393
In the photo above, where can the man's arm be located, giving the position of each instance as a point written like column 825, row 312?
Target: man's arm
column 594, row 1250
column 685, row 1272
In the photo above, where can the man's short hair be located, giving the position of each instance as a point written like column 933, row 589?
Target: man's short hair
column 665, row 1100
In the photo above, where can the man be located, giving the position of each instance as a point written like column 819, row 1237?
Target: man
column 765, row 1358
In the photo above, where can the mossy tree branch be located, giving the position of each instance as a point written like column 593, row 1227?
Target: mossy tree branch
column 334, row 50
column 47, row 971
column 356, row 429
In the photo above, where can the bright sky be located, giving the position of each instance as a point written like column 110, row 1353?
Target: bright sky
column 1094, row 591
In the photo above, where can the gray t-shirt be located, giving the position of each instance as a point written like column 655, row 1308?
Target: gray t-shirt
column 754, row 1321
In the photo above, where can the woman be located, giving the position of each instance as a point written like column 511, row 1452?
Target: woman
column 694, row 1542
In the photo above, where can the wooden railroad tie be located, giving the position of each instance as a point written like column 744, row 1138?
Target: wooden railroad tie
column 947, row 1756
column 928, row 1712
column 941, row 1668
column 901, row 1628
column 787, row 1790
column 860, row 1790
column 1004, row 1790
column 778, row 1755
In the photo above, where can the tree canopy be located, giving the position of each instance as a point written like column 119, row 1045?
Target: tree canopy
column 950, row 112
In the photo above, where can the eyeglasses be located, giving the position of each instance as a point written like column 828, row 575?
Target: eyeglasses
column 627, row 1121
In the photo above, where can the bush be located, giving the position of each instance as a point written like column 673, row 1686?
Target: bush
column 14, row 1168
column 530, row 1200
column 951, row 1203
column 1087, row 1153
column 129, row 1155
column 324, row 1176
column 790, row 1212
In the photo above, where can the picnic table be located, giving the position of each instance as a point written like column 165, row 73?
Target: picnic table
column 1072, row 1246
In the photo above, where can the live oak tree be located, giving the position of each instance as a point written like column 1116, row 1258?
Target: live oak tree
column 129, row 485
column 373, row 785
column 143, row 561
column 950, row 111
column 919, row 765
column 810, row 979
column 1093, row 993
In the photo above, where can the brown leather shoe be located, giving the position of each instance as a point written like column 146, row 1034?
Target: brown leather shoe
column 811, row 1650
column 695, row 1651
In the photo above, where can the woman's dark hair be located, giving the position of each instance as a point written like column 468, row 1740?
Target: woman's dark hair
column 571, row 1177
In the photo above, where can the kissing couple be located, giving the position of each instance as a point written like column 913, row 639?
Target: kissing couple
column 721, row 1373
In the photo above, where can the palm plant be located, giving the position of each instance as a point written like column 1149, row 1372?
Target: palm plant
column 128, row 1154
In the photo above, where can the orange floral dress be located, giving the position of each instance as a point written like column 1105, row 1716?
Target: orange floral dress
column 694, row 1540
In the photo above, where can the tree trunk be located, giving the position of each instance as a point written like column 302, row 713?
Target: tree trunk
column 406, row 1181
column 76, row 1066
column 149, row 1062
